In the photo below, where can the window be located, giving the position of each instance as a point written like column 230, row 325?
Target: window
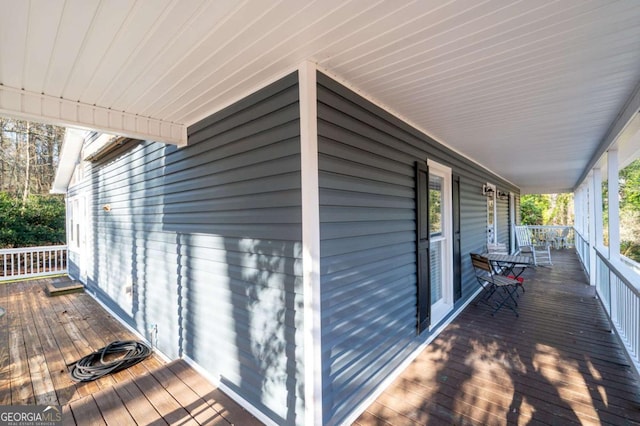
column 71, row 228
column 434, row 247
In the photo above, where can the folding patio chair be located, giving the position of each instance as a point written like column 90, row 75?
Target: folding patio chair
column 493, row 283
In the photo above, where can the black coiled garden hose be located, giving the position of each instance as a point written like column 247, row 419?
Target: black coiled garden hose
column 95, row 365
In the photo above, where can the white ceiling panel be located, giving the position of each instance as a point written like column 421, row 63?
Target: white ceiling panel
column 172, row 61
column 42, row 32
column 140, row 25
column 75, row 20
column 96, row 44
column 500, row 81
column 13, row 37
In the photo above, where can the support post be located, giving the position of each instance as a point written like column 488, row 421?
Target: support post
column 614, row 205
column 591, row 223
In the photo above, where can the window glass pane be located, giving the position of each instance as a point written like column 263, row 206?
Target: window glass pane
column 490, row 211
column 436, row 270
column 70, row 214
column 435, row 204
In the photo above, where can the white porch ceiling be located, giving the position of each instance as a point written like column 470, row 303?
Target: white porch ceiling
column 528, row 89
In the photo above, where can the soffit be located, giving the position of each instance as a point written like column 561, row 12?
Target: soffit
column 527, row 89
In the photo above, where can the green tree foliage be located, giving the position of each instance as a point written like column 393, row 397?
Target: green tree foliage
column 629, row 196
column 533, row 208
column 29, row 154
column 546, row 209
column 562, row 209
column 39, row 221
column 629, row 187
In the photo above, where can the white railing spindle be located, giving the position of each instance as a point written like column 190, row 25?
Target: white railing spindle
column 32, row 262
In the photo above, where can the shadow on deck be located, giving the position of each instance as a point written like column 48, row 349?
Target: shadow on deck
column 40, row 335
column 557, row 363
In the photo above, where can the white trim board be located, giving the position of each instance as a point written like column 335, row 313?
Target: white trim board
column 310, row 243
column 23, row 104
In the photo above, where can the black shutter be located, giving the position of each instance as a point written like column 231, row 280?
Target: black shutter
column 422, row 245
column 457, row 250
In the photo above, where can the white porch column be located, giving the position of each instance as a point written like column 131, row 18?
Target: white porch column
column 584, row 225
column 310, row 243
column 578, row 209
column 595, row 222
column 592, row 214
column 598, row 225
column 614, row 205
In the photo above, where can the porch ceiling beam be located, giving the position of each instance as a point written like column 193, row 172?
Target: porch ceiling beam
column 628, row 112
column 24, row 104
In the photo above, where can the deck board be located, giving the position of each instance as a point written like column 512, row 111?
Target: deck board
column 5, row 364
column 142, row 411
column 21, row 385
column 86, row 412
column 42, row 334
column 189, row 399
column 558, row 363
column 214, row 397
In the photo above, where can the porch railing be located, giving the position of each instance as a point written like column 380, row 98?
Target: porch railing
column 32, row 262
column 582, row 247
column 554, row 235
column 618, row 288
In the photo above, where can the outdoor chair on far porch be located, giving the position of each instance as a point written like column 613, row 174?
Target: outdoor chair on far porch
column 541, row 252
column 494, row 284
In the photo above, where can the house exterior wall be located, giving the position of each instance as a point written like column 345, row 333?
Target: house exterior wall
column 200, row 248
column 367, row 223
column 207, row 240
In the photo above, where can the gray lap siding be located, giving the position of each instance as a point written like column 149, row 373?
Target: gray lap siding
column 208, row 239
column 367, row 215
column 209, row 236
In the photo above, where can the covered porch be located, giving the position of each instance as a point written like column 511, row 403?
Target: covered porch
column 558, row 363
column 533, row 93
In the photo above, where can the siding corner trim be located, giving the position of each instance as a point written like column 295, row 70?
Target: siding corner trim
column 310, row 243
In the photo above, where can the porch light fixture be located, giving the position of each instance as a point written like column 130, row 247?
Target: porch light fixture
column 503, row 195
column 487, row 190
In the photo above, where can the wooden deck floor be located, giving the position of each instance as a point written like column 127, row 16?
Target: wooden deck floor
column 556, row 364
column 41, row 334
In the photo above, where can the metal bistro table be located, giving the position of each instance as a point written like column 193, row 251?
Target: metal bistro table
column 510, row 265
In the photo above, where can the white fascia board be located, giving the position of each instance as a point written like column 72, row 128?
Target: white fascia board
column 69, row 157
column 28, row 105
